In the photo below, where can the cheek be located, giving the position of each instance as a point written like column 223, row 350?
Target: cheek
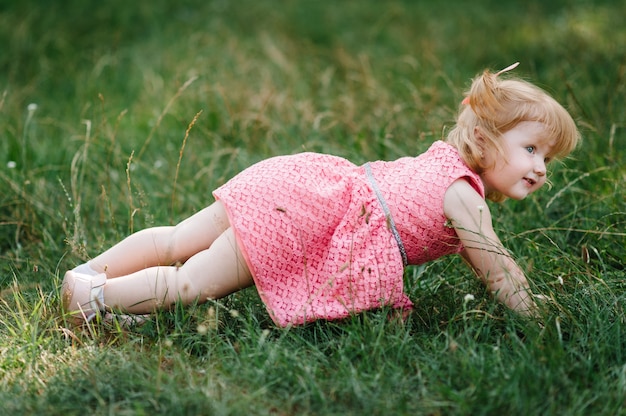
column 541, row 181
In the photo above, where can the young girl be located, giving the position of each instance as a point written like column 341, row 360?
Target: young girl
column 322, row 238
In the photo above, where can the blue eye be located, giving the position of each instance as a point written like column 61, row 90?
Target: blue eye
column 530, row 149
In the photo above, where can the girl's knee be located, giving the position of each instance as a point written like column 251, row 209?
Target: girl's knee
column 183, row 286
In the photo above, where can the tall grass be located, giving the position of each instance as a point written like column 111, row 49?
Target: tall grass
column 117, row 116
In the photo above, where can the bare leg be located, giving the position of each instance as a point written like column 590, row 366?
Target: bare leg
column 160, row 246
column 210, row 274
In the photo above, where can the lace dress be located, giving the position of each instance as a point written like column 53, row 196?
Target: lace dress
column 325, row 238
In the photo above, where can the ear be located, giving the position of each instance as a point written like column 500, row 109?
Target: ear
column 480, row 139
column 478, row 134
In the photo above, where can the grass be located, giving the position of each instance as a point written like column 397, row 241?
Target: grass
column 122, row 115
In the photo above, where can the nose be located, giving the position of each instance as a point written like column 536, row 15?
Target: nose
column 540, row 166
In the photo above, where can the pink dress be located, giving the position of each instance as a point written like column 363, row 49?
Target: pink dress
column 324, row 238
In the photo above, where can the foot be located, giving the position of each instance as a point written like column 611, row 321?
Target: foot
column 125, row 321
column 83, row 296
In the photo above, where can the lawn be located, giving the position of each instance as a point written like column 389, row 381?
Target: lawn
column 116, row 116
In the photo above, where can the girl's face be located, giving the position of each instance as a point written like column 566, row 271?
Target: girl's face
column 523, row 169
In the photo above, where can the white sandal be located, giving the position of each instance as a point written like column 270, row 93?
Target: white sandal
column 83, row 296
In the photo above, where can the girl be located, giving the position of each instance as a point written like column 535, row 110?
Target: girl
column 322, row 238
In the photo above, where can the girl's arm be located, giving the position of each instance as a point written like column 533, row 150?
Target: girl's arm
column 471, row 219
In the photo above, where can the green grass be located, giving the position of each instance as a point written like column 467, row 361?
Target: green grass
column 142, row 108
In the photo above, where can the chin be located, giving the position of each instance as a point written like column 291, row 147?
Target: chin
column 517, row 197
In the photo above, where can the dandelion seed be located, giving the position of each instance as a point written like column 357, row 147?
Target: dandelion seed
column 158, row 164
column 11, row 164
column 481, row 208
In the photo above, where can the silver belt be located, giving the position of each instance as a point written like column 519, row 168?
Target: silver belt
column 385, row 207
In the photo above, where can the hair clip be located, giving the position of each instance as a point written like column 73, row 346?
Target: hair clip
column 507, row 69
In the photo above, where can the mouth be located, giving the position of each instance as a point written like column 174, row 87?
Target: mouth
column 530, row 182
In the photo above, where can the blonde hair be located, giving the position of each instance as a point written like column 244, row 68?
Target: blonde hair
column 494, row 106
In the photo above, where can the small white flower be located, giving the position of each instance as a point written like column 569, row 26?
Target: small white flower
column 158, row 164
column 11, row 164
column 32, row 107
column 264, row 335
column 560, row 280
column 202, row 329
column 468, row 298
